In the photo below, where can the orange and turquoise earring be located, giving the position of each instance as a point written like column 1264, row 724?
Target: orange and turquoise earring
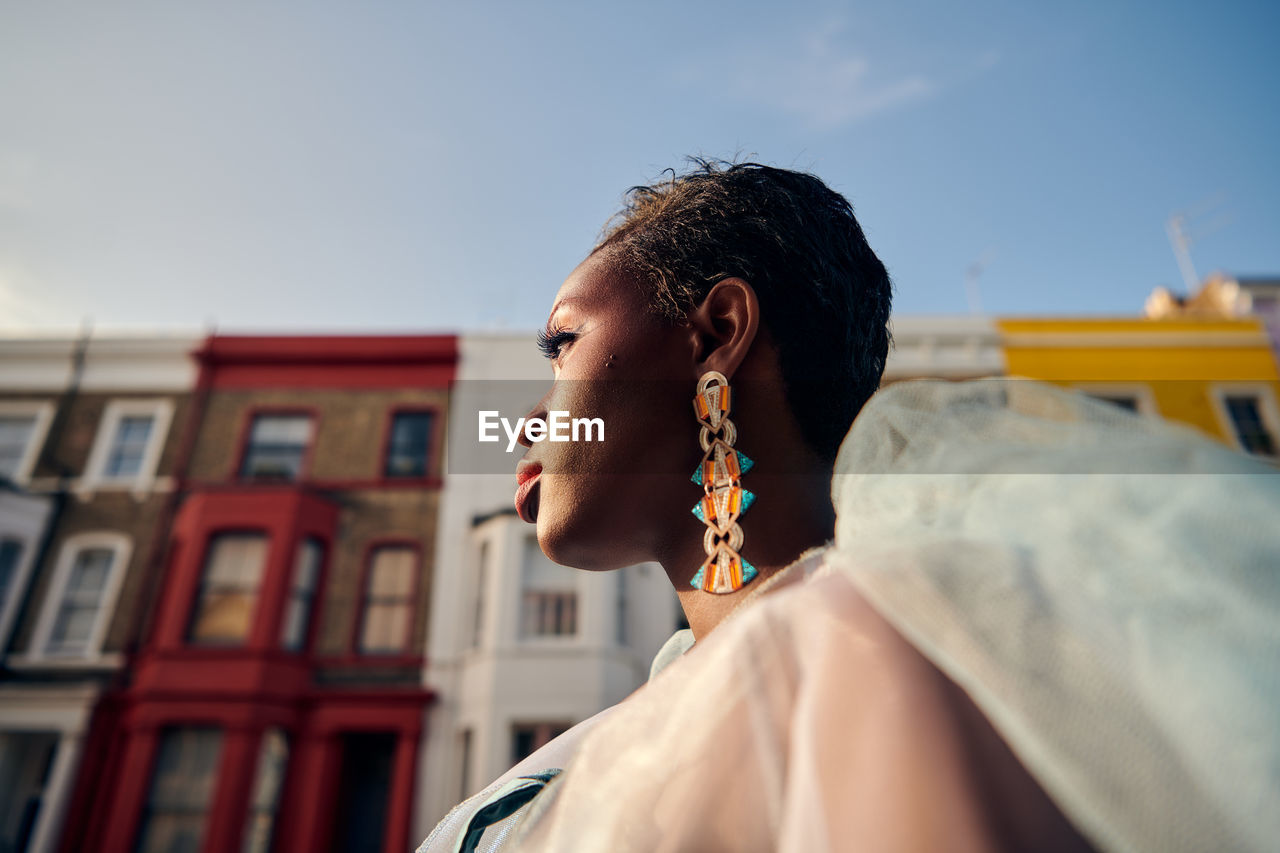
column 723, row 498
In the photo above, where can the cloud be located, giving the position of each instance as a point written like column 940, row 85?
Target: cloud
column 18, row 311
column 823, row 81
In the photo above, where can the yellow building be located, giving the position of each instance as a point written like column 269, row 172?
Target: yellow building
column 1217, row 374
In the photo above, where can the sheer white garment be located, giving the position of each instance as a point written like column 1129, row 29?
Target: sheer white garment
column 1104, row 588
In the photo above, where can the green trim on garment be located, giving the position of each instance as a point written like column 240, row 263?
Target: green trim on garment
column 502, row 804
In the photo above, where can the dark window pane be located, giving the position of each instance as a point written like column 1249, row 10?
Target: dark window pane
column 128, row 446
column 25, row 760
column 10, row 551
column 410, row 446
column 1122, row 401
column 15, row 432
column 297, row 614
column 528, row 738
column 1251, row 429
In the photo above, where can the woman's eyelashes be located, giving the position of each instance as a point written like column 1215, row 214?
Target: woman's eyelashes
column 553, row 341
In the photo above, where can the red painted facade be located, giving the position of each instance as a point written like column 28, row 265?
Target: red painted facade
column 245, row 690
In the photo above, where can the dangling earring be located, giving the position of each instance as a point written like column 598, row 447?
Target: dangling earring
column 723, row 498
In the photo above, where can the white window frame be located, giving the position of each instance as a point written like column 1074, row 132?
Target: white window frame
column 574, row 588
column 42, row 411
column 122, row 548
column 161, row 412
column 1139, row 391
column 1218, row 394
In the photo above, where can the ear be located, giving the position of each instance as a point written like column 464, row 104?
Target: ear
column 724, row 326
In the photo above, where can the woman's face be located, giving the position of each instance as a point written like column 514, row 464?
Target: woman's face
column 606, row 504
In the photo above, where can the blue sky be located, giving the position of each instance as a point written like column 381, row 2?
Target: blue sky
column 442, row 166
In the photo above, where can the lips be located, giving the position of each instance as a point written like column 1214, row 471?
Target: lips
column 527, row 475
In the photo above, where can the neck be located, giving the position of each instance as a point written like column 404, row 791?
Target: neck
column 792, row 514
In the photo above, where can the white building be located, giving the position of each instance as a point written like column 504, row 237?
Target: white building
column 519, row 648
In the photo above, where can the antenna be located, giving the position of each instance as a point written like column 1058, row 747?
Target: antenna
column 1179, row 228
column 971, row 276
column 1176, row 227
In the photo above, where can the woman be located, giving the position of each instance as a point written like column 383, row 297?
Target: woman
column 961, row 669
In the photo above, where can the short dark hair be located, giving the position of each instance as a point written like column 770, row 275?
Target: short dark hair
column 824, row 295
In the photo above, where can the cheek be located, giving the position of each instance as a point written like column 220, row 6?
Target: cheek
column 603, row 505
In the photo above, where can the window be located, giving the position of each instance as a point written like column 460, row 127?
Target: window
column 127, row 448
column 10, row 554
column 482, row 580
column 1136, row 397
column 388, row 600
column 15, row 436
column 1245, row 411
column 464, row 761
column 621, row 626
column 297, row 614
column 409, row 446
column 527, row 738
column 22, row 430
column 277, row 447
column 25, row 760
column 81, row 599
column 181, row 790
column 1123, row 401
column 81, row 595
column 1249, row 416
column 550, row 599
column 273, row 757
column 229, row 589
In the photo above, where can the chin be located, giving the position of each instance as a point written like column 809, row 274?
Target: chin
column 579, row 542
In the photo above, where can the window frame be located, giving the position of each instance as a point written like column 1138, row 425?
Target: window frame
column 366, row 570
column 219, row 761
column 246, row 437
column 161, row 412
column 1141, row 392
column 22, row 519
column 41, row 411
column 1268, row 410
column 122, row 548
column 527, row 637
column 253, row 808
column 188, row 640
column 434, row 441
column 544, row 731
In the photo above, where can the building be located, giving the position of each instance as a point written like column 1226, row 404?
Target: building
column 275, row 700
column 1215, row 373
column 90, row 440
column 956, row 348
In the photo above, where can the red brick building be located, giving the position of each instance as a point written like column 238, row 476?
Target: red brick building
column 276, row 699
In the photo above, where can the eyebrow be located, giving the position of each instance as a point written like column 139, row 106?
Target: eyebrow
column 559, row 304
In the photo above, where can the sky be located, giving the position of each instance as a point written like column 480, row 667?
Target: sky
column 442, row 166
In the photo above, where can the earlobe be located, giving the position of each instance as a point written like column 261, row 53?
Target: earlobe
column 724, row 326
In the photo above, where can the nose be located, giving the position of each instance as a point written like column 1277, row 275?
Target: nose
column 539, row 410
